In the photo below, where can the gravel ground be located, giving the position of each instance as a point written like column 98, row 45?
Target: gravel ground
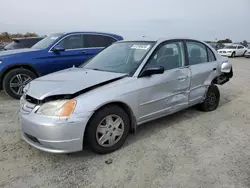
column 187, row 149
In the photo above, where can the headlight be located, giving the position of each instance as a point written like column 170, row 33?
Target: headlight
column 59, row 108
column 1, row 62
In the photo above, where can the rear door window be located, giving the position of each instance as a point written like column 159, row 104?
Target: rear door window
column 197, row 53
column 97, row 41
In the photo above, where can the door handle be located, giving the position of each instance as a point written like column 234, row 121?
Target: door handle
column 214, row 69
column 182, row 78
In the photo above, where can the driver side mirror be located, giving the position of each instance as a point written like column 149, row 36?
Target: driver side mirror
column 57, row 49
column 153, row 70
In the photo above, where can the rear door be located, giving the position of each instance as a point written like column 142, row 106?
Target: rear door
column 165, row 93
column 204, row 68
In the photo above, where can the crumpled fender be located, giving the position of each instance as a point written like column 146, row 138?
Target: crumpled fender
column 226, row 67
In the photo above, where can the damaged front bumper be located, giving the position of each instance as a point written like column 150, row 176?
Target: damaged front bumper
column 53, row 134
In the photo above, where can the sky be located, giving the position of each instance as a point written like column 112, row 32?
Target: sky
column 199, row 19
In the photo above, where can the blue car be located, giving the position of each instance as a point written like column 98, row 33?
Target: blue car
column 53, row 53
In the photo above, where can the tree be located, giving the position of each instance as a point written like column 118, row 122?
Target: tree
column 244, row 43
column 7, row 37
column 224, row 41
column 30, row 35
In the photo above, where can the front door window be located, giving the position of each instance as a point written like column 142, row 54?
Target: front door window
column 169, row 56
column 72, row 42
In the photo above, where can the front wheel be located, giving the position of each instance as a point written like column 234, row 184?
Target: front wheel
column 212, row 99
column 15, row 80
column 233, row 55
column 108, row 129
column 244, row 53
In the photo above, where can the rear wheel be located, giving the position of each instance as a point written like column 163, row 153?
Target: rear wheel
column 15, row 80
column 212, row 99
column 108, row 129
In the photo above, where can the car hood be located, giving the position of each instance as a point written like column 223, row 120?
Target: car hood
column 68, row 82
column 10, row 53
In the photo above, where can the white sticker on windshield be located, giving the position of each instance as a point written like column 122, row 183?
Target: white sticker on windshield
column 53, row 38
column 140, row 47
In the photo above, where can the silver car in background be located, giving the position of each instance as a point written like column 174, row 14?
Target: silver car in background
column 127, row 84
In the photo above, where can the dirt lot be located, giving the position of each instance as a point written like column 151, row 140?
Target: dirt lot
column 187, row 149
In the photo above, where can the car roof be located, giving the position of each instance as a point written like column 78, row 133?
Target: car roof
column 161, row 39
column 94, row 32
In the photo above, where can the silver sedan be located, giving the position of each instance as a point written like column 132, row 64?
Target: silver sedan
column 125, row 85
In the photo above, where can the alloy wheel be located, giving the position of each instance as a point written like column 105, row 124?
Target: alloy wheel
column 18, row 82
column 110, row 130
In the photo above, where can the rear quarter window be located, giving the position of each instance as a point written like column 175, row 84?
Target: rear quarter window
column 211, row 56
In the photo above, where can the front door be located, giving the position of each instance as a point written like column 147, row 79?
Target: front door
column 78, row 48
column 204, row 68
column 162, row 94
column 74, row 54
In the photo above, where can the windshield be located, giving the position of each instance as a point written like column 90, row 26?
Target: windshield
column 47, row 41
column 230, row 47
column 122, row 57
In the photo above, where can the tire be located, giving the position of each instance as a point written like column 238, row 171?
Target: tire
column 233, row 55
column 212, row 99
column 25, row 76
column 244, row 54
column 92, row 134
